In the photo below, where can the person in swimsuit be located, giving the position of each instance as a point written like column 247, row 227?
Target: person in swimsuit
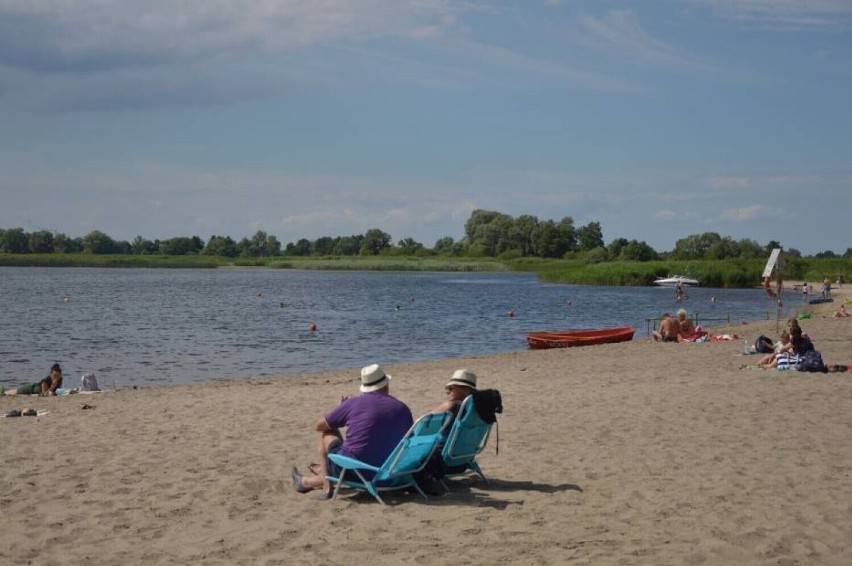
column 668, row 329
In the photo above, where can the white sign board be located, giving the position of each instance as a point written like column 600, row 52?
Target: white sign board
column 770, row 263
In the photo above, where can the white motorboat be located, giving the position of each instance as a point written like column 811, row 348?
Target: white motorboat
column 673, row 280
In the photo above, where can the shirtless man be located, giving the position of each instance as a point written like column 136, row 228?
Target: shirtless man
column 668, row 329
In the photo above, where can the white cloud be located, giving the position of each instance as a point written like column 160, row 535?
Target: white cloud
column 791, row 14
column 747, row 213
column 87, row 35
column 620, row 32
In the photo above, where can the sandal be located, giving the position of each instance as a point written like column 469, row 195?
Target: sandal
column 297, row 481
column 314, row 468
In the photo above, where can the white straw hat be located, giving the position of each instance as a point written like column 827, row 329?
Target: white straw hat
column 373, row 378
column 464, row 378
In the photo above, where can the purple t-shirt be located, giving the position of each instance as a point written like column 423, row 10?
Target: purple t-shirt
column 375, row 423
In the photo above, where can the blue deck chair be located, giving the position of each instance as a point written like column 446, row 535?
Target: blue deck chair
column 466, row 439
column 397, row 472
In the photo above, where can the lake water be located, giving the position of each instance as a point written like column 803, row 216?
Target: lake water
column 165, row 326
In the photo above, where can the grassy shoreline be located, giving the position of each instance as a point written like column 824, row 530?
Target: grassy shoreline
column 737, row 273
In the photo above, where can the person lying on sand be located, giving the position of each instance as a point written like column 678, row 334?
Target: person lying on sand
column 375, row 422
column 47, row 386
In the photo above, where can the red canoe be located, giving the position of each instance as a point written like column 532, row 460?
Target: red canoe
column 571, row 338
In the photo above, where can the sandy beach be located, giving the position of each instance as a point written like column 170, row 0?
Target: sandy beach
column 638, row 453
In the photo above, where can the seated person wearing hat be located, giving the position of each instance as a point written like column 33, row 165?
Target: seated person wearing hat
column 375, row 423
column 460, row 385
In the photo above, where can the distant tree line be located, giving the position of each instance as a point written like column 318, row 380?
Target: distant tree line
column 486, row 234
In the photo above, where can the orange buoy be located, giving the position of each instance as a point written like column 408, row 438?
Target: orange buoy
column 313, row 327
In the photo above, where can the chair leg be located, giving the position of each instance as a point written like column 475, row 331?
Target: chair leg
column 338, row 483
column 475, row 467
column 417, row 487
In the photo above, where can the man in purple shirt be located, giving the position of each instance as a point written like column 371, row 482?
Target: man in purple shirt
column 375, row 423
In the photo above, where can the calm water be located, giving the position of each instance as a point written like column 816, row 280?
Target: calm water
column 147, row 326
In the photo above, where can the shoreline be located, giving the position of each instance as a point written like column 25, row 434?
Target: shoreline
column 637, row 452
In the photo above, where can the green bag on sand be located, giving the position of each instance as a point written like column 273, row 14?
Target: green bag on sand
column 803, row 316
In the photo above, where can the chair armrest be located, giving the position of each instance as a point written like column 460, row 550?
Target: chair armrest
column 351, row 463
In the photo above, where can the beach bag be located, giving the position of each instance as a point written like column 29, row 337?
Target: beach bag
column 764, row 345
column 89, row 382
column 811, row 361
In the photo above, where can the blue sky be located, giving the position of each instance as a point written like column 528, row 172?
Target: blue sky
column 658, row 119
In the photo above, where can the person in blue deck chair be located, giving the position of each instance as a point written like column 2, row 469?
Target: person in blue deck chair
column 460, row 385
column 375, row 422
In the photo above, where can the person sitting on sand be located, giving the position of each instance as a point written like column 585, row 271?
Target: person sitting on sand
column 686, row 330
column 460, row 385
column 668, row 329
column 799, row 344
column 842, row 312
column 783, row 345
column 45, row 387
column 375, row 422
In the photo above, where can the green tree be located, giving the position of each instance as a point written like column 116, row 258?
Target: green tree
column 521, row 233
column 222, row 246
column 636, row 251
column 181, row 246
column 772, row 245
column 444, row 245
column 375, row 241
column 64, row 245
column 590, row 236
column 695, row 246
column 141, row 246
column 750, row 249
column 302, row 247
column 821, row 255
column 324, row 246
column 614, row 248
column 122, row 247
column 41, row 242
column 348, row 245
column 487, row 232
column 596, row 255
column 96, row 242
column 16, row 241
column 408, row 246
column 567, row 233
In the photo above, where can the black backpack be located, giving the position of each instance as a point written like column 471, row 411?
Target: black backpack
column 488, row 403
column 764, row 345
column 811, row 361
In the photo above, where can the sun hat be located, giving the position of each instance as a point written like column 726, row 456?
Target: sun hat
column 373, row 378
column 464, row 378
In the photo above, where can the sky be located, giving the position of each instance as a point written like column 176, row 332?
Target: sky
column 306, row 118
